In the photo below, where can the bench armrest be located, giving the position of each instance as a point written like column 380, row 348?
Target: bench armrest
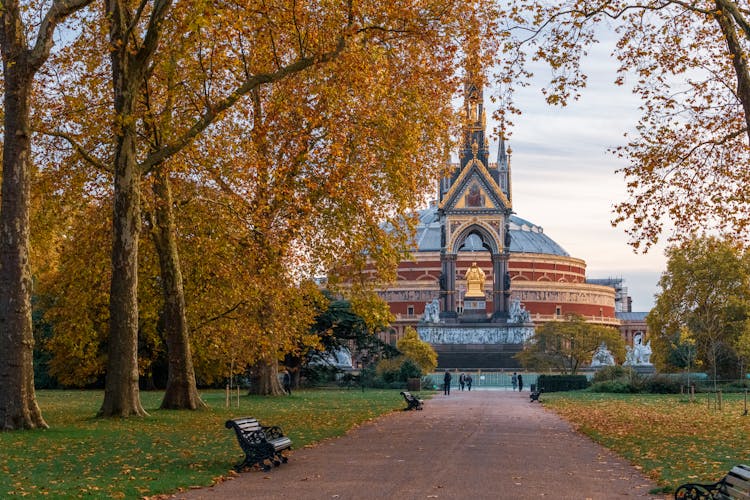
column 698, row 490
column 273, row 432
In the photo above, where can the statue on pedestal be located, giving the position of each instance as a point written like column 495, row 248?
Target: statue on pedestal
column 432, row 312
column 517, row 313
column 602, row 356
column 474, row 282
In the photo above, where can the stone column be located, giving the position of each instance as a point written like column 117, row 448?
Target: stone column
column 500, row 289
column 448, row 264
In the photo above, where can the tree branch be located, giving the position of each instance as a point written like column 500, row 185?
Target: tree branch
column 59, row 10
column 96, row 163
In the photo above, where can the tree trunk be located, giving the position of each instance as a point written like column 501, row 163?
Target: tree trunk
column 121, row 393
column 264, row 379
column 181, row 393
column 18, row 406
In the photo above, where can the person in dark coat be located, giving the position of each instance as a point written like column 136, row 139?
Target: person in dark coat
column 469, row 380
column 447, row 383
column 461, row 381
column 520, row 382
column 287, row 381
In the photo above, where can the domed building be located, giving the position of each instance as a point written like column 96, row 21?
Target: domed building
column 471, row 225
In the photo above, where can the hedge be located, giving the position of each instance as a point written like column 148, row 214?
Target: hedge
column 558, row 383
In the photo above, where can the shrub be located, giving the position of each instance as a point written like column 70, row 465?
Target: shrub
column 610, row 373
column 409, row 369
column 620, row 386
column 556, row 383
column 662, row 384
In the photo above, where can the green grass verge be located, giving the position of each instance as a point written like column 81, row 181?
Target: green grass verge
column 83, row 456
column 672, row 439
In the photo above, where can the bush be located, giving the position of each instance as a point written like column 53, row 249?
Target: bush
column 409, row 369
column 611, row 373
column 620, row 386
column 662, row 384
column 557, row 383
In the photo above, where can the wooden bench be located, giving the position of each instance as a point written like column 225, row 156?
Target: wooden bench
column 260, row 443
column 735, row 486
column 534, row 395
column 412, row 402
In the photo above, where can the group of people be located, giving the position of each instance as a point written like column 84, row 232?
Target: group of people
column 517, row 381
column 464, row 381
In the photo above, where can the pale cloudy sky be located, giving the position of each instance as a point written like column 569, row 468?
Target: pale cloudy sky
column 564, row 179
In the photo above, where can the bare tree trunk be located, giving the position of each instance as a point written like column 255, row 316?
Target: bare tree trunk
column 181, row 393
column 18, row 406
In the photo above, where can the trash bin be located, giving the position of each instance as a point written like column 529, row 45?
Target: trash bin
column 533, row 387
column 413, row 384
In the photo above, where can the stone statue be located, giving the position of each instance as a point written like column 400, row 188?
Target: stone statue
column 639, row 354
column 602, row 356
column 517, row 313
column 507, row 236
column 474, row 282
column 641, row 351
column 629, row 357
column 432, row 312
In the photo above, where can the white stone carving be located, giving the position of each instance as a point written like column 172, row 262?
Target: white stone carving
column 457, row 334
column 432, row 312
column 639, row 354
column 602, row 356
column 517, row 313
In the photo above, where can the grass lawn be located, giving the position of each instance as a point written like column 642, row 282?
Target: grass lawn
column 82, row 456
column 672, row 439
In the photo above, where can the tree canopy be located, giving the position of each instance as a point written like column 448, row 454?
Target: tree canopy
column 705, row 296
column 687, row 61
column 569, row 345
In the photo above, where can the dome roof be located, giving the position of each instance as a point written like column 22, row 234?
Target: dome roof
column 526, row 237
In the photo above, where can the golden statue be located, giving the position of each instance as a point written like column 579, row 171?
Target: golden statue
column 474, row 282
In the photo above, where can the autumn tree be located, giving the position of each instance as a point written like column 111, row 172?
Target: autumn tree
column 238, row 53
column 705, row 290
column 688, row 63
column 567, row 345
column 417, row 350
column 22, row 60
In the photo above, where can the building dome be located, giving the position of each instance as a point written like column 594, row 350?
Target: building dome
column 526, row 237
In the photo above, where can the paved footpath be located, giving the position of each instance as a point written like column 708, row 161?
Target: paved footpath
column 469, row 445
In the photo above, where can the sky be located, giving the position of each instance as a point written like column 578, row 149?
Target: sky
column 564, row 180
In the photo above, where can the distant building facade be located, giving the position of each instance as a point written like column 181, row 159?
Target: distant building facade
column 472, row 221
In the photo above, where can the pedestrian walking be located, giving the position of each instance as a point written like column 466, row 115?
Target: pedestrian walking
column 461, row 381
column 520, row 383
column 469, row 380
column 447, row 383
column 287, row 381
column 514, row 380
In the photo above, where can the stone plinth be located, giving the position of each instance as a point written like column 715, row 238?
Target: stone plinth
column 478, row 345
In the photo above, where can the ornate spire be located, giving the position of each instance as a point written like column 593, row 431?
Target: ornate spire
column 474, row 112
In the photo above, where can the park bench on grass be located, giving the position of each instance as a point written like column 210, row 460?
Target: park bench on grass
column 735, row 485
column 260, row 443
column 534, row 395
column 413, row 403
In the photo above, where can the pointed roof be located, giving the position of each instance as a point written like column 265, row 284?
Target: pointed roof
column 502, row 156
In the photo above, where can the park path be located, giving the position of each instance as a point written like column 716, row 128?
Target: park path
column 469, row 445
